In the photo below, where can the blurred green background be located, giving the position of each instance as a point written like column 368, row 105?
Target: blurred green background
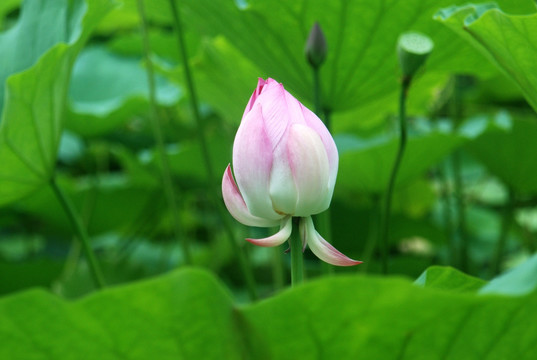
column 75, row 105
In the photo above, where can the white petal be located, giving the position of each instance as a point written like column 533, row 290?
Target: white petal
column 236, row 205
column 309, row 165
column 252, row 164
column 322, row 248
column 279, row 238
column 331, row 150
column 283, row 191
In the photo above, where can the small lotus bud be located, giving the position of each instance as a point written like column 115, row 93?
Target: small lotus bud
column 316, row 47
column 285, row 162
column 413, row 49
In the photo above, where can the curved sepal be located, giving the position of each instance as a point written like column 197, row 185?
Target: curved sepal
column 279, row 238
column 322, row 248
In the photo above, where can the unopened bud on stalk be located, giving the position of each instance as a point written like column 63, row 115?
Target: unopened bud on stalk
column 285, row 163
column 413, row 48
column 316, row 47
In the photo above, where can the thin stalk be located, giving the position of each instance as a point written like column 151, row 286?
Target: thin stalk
column 278, row 274
column 297, row 259
column 323, row 222
column 405, row 84
column 374, row 231
column 317, row 93
column 81, row 233
column 192, row 92
column 461, row 210
column 447, row 214
column 244, row 262
column 159, row 139
column 456, row 163
column 504, row 232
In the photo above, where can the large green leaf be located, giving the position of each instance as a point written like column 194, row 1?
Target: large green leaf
column 448, row 278
column 361, row 62
column 517, row 281
column 188, row 315
column 509, row 41
column 37, row 56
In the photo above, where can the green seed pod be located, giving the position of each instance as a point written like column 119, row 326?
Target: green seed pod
column 412, row 50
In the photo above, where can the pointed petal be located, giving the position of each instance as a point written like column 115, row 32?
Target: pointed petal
column 275, row 111
column 322, row 248
column 236, row 205
column 279, row 238
column 252, row 163
column 260, row 84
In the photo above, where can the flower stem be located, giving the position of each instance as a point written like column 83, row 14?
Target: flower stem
column 297, row 260
column 81, row 233
column 405, row 84
column 504, row 232
column 323, row 221
column 244, row 262
column 278, row 274
column 447, row 213
column 374, row 230
column 461, row 210
column 159, row 139
column 456, row 163
column 317, row 93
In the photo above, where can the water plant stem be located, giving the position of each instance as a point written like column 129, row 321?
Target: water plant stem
column 456, row 162
column 405, row 84
column 323, row 221
column 297, row 259
column 458, row 190
column 81, row 233
column 507, row 220
column 278, row 273
column 317, row 94
column 244, row 262
column 375, row 216
column 446, row 211
column 159, row 139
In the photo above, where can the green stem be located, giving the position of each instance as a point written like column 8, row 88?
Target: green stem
column 192, row 92
column 82, row 235
column 405, row 84
column 447, row 214
column 317, row 93
column 159, row 139
column 244, row 262
column 504, row 232
column 374, row 231
column 323, row 222
column 278, row 274
column 297, row 260
column 461, row 210
column 462, row 236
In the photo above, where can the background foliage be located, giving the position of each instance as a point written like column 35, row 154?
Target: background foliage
column 75, row 106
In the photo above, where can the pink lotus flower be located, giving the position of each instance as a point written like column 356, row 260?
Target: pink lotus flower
column 285, row 162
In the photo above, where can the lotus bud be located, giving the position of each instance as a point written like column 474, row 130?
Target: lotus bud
column 316, row 47
column 285, row 163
